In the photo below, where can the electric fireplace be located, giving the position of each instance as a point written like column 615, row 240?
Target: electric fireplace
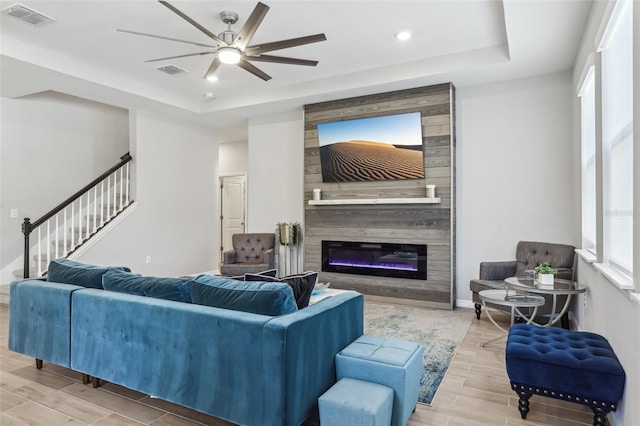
column 379, row 259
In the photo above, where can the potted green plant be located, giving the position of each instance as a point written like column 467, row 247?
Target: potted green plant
column 545, row 273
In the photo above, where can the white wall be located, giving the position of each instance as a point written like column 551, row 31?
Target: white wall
column 52, row 145
column 614, row 314
column 176, row 190
column 604, row 308
column 514, row 169
column 233, row 158
column 276, row 171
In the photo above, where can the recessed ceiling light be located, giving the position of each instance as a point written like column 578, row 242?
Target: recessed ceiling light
column 212, row 78
column 403, row 35
column 208, row 95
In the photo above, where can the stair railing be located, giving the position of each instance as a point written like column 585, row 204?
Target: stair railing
column 70, row 224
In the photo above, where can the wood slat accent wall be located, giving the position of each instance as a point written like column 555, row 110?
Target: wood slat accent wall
column 431, row 224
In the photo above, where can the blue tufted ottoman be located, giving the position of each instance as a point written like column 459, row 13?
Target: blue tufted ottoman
column 571, row 365
column 389, row 362
column 356, row 403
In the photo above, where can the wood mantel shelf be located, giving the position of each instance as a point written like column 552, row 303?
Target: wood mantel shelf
column 342, row 202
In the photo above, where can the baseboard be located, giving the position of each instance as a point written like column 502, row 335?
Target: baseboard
column 463, row 303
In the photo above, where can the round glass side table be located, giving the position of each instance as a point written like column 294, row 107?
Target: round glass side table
column 513, row 299
column 559, row 287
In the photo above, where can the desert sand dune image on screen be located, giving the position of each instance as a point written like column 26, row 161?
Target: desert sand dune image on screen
column 365, row 160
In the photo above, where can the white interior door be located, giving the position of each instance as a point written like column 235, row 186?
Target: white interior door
column 233, row 200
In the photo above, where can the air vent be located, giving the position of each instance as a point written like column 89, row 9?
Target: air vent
column 171, row 69
column 27, row 15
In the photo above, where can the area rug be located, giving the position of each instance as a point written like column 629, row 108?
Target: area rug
column 440, row 332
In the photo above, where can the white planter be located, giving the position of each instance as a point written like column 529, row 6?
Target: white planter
column 545, row 279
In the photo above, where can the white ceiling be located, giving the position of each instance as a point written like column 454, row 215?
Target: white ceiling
column 466, row 42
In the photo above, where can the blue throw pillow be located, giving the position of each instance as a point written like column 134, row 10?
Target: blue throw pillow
column 302, row 285
column 176, row 289
column 256, row 297
column 71, row 272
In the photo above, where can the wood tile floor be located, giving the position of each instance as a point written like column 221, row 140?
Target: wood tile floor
column 475, row 391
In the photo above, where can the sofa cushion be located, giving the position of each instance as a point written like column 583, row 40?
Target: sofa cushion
column 530, row 254
column 176, row 289
column 68, row 271
column 302, row 285
column 257, row 297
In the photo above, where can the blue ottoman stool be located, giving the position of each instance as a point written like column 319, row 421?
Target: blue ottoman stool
column 356, row 403
column 393, row 363
column 571, row 365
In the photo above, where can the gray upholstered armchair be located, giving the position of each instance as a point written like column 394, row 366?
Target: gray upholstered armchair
column 529, row 254
column 251, row 253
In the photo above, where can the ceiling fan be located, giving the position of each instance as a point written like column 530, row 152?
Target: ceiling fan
column 233, row 48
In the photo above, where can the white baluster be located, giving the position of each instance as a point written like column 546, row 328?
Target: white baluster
column 48, row 243
column 39, row 267
column 102, row 204
column 79, row 220
column 65, row 225
column 95, row 208
column 121, row 188
column 108, row 197
column 115, row 192
column 73, row 221
column 57, row 235
column 88, row 231
column 127, row 186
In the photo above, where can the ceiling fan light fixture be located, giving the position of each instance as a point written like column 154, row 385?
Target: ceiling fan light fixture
column 229, row 55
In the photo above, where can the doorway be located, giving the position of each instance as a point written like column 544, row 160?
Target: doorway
column 232, row 209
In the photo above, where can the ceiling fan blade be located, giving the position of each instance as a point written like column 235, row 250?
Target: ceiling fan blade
column 249, row 28
column 168, row 38
column 181, row 56
column 194, row 23
column 283, row 44
column 254, row 70
column 213, row 67
column 281, row 60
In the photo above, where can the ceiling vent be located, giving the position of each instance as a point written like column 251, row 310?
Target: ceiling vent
column 171, row 69
column 27, row 15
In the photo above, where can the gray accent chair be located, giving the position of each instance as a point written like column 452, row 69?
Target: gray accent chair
column 251, row 253
column 529, row 254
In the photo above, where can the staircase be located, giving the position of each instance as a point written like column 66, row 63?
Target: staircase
column 75, row 221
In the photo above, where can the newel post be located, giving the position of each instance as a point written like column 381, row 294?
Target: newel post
column 26, row 230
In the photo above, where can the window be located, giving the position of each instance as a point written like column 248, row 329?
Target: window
column 617, row 138
column 588, row 163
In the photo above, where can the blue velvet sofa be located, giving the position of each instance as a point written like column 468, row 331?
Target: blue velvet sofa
column 247, row 368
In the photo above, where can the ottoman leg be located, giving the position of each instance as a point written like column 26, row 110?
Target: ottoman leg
column 478, row 310
column 523, row 404
column 600, row 417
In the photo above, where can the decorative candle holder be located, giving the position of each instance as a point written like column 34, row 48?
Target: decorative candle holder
column 317, row 194
column 431, row 191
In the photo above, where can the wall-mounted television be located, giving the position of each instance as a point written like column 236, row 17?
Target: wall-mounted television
column 375, row 148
